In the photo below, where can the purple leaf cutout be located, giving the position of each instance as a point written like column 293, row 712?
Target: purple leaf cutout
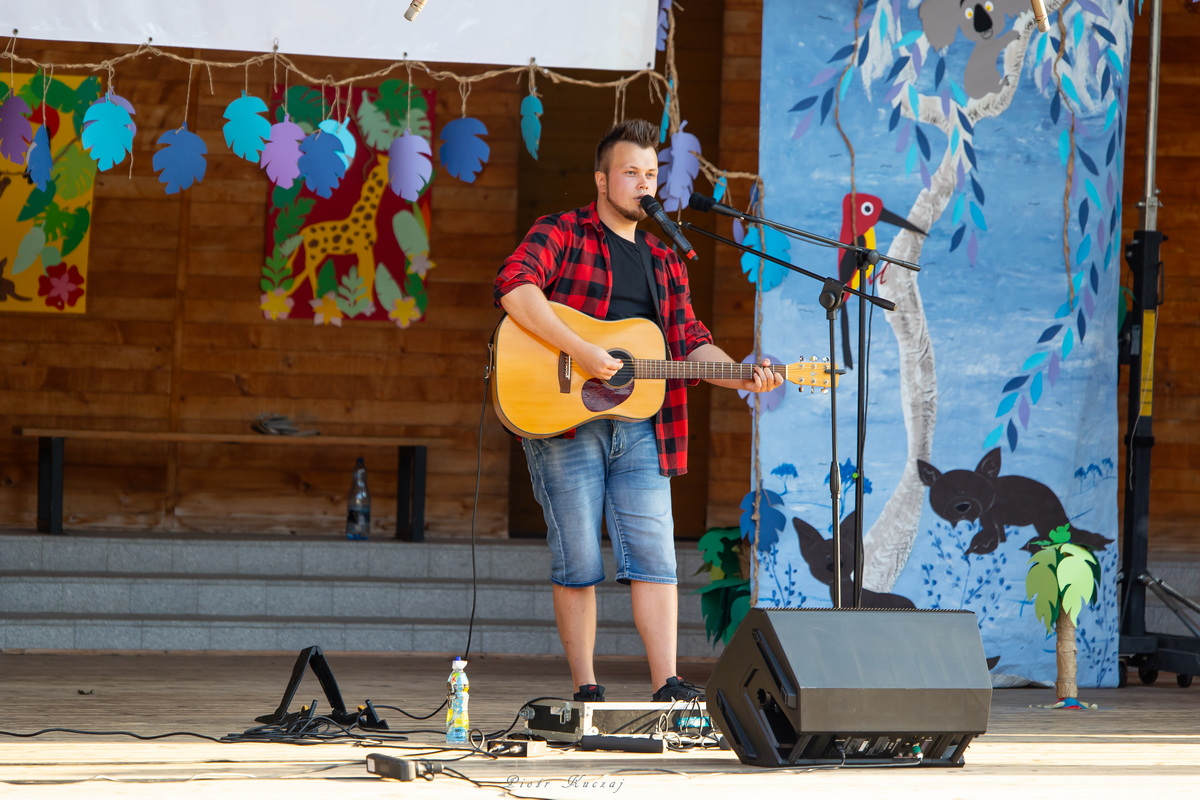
column 410, row 166
column 16, row 132
column 281, row 155
column 767, row 401
column 678, row 168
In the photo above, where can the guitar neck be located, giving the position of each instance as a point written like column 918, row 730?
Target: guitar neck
column 699, row 370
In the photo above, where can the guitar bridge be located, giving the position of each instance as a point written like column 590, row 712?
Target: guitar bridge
column 564, row 373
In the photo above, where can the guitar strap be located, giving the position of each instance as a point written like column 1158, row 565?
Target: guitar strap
column 648, row 268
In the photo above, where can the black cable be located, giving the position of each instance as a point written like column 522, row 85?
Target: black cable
column 111, row 733
column 413, row 716
column 487, row 378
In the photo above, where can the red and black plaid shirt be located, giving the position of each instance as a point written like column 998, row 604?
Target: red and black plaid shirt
column 566, row 256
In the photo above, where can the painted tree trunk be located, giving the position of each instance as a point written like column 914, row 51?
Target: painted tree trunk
column 1065, row 651
column 890, row 541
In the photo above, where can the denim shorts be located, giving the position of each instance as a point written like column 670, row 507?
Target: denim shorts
column 609, row 470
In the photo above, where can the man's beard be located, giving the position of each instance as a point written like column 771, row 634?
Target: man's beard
column 633, row 216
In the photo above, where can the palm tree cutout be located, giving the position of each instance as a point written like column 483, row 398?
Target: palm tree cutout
column 1062, row 578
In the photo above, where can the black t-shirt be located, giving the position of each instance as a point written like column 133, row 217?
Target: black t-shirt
column 631, row 287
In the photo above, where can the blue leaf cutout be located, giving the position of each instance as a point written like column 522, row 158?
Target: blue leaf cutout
column 770, row 520
column 181, row 162
column 531, row 123
column 321, row 165
column 719, row 188
column 463, row 151
column 246, row 132
column 107, row 135
column 342, row 131
column 678, row 168
column 40, row 161
column 777, row 245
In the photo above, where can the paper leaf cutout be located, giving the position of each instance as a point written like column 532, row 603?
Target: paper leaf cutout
column 777, row 245
column 16, row 132
column 29, row 250
column 40, row 166
column 352, row 296
column 181, row 162
column 342, row 131
column 107, row 132
column 531, row 123
column 82, row 219
column 767, row 401
column 387, row 291
column 463, row 151
column 110, row 97
column 376, row 126
column 396, row 97
column 321, row 165
column 247, row 132
column 74, row 172
column 678, row 168
column 281, row 155
column 663, row 23
column 771, row 521
column 37, row 202
column 410, row 233
column 410, row 166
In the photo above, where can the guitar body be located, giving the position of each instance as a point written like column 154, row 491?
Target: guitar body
column 539, row 392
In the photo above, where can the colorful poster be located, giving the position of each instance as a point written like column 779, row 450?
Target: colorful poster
column 342, row 242
column 46, row 180
column 958, row 137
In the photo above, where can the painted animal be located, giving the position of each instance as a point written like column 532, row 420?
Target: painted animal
column 355, row 234
column 980, row 23
column 817, row 551
column 997, row 501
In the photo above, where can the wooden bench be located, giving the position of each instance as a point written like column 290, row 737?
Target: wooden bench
column 410, row 472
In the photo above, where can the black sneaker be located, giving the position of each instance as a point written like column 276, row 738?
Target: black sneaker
column 677, row 688
column 590, row 693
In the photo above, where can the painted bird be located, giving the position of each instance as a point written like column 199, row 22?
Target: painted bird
column 860, row 213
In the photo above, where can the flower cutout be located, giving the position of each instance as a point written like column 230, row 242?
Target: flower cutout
column 62, row 286
column 275, row 305
column 420, row 265
column 405, row 312
column 326, row 311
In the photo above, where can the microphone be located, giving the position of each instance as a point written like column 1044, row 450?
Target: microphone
column 655, row 209
column 414, row 8
column 1039, row 14
column 700, row 202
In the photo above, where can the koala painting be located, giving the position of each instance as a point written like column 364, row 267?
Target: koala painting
column 817, row 551
column 980, row 23
column 996, row 501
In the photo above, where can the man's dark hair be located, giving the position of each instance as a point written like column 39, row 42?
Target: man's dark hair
column 636, row 131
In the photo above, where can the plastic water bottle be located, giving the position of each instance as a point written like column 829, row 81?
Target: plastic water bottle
column 457, row 689
column 358, row 504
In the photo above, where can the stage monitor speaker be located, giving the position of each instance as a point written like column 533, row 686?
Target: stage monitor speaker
column 820, row 686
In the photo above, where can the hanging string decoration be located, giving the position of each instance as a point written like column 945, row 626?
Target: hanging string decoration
column 281, row 155
column 108, row 130
column 181, row 162
column 247, row 131
column 678, row 166
column 531, row 123
column 463, row 150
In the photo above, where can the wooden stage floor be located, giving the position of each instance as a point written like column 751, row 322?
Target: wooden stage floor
column 1144, row 741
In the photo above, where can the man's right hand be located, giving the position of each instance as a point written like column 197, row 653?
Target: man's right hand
column 596, row 361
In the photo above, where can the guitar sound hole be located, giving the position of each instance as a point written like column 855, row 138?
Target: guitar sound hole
column 623, row 376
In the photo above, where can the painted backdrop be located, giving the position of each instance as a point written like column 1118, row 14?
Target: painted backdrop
column 957, row 136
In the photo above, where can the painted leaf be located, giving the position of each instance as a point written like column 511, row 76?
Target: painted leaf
column 342, row 131
column 16, row 132
column 678, row 168
column 410, row 233
column 398, row 98
column 281, row 155
column 247, row 131
column 74, row 172
column 37, row 202
column 463, row 151
column 410, row 166
column 80, row 222
column 107, row 133
column 180, row 162
column 771, row 520
column 321, row 163
column 531, row 123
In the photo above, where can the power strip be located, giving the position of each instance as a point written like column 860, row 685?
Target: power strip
column 401, row 769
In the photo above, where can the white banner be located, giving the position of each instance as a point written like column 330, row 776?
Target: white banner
column 583, row 34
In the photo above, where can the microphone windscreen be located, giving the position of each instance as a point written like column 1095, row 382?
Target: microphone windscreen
column 649, row 204
column 701, row 202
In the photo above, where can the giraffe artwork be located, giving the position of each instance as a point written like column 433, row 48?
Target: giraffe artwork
column 362, row 253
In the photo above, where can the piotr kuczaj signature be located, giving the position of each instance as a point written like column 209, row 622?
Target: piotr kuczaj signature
column 572, row 782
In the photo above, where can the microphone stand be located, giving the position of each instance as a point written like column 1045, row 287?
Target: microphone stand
column 865, row 258
column 831, row 299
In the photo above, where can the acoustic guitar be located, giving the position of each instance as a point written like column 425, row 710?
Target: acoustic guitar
column 539, row 391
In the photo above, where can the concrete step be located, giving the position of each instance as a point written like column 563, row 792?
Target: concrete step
column 129, row 593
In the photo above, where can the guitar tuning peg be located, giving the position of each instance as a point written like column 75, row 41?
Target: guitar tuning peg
column 824, row 391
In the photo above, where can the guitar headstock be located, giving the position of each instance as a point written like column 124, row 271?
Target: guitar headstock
column 820, row 374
